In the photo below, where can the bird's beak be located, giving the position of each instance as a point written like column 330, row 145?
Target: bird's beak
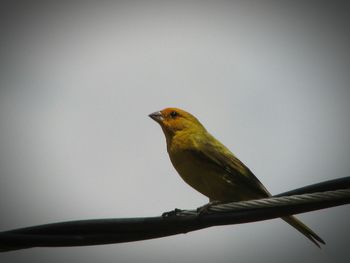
column 157, row 116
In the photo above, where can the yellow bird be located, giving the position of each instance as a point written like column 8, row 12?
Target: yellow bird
column 209, row 167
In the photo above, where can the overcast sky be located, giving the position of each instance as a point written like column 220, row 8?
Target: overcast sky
column 271, row 81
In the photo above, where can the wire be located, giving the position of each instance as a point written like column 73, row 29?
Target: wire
column 107, row 231
column 273, row 202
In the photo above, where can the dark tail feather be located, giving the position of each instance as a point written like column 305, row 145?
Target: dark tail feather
column 306, row 231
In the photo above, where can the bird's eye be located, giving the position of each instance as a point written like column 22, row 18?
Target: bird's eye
column 173, row 114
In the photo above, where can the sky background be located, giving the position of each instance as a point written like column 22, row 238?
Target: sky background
column 270, row 80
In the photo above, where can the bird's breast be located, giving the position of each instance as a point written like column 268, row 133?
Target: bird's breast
column 205, row 177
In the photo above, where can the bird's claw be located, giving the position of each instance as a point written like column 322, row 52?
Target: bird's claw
column 205, row 209
column 171, row 213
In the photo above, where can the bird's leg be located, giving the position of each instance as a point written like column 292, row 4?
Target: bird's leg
column 205, row 208
column 172, row 213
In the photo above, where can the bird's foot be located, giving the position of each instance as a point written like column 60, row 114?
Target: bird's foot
column 205, row 209
column 172, row 213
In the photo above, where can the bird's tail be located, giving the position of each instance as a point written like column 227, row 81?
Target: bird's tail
column 305, row 230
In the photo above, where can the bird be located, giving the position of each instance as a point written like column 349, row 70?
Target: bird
column 210, row 167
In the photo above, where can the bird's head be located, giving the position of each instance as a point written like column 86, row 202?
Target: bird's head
column 173, row 120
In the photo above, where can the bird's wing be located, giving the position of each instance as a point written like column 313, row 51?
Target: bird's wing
column 233, row 169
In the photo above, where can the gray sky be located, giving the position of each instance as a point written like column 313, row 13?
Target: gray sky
column 78, row 81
